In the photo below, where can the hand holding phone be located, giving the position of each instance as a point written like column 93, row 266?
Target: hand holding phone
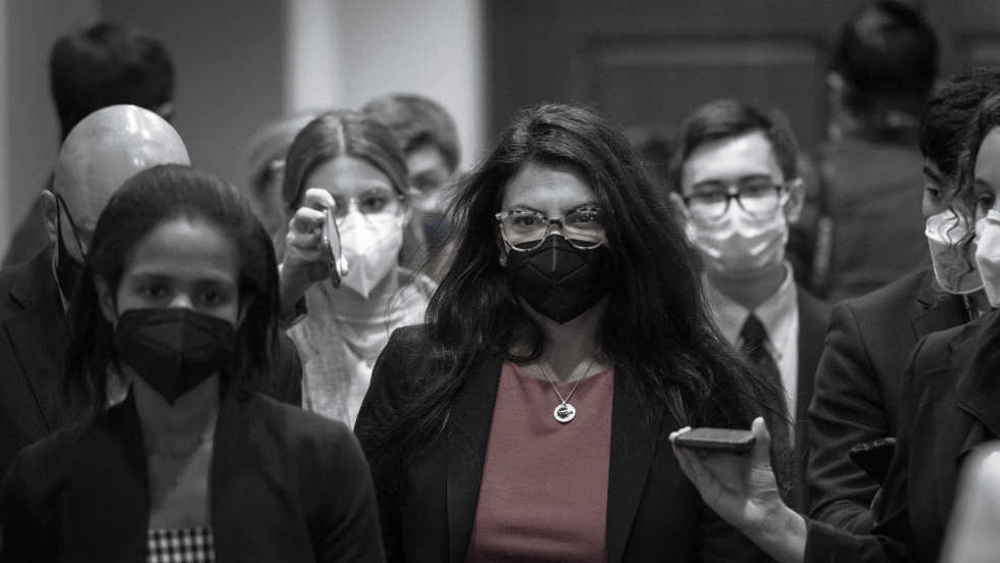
column 331, row 250
column 722, row 440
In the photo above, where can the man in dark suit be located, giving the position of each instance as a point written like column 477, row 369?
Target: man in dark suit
column 99, row 154
column 859, row 378
column 734, row 172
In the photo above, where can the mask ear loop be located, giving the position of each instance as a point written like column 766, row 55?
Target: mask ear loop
column 72, row 225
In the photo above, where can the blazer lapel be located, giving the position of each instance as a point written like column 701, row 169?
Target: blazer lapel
column 34, row 332
column 107, row 501
column 935, row 311
column 468, row 433
column 634, row 437
column 813, row 317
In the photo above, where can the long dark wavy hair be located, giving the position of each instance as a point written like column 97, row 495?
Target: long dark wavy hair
column 145, row 201
column 656, row 327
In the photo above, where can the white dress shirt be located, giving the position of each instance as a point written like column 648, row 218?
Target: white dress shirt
column 779, row 314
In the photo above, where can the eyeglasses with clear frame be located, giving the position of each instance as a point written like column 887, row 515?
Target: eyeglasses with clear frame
column 526, row 229
column 760, row 198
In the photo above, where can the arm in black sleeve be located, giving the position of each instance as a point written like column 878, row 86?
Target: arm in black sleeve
column 847, row 409
column 386, row 396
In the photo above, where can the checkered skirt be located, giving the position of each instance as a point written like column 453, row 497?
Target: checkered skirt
column 181, row 545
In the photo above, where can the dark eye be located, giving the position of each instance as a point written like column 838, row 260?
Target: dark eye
column 213, row 297
column 374, row 203
column 525, row 219
column 584, row 217
column 757, row 188
column 153, row 291
column 708, row 198
column 985, row 200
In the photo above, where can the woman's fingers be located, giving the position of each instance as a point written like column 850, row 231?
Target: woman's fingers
column 761, row 454
column 317, row 199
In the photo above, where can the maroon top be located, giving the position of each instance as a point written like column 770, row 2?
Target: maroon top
column 544, row 492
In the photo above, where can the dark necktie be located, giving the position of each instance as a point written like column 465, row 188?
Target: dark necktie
column 754, row 347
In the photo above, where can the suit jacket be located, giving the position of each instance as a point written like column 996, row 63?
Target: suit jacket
column 34, row 397
column 813, row 316
column 865, row 193
column 653, row 511
column 858, row 386
column 285, row 485
column 949, row 405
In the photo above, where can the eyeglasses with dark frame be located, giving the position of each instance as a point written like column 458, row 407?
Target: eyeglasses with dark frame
column 761, row 198
column 525, row 229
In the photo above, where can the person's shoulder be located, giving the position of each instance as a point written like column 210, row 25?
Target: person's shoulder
column 292, row 422
column 43, row 465
column 894, row 296
column 25, row 279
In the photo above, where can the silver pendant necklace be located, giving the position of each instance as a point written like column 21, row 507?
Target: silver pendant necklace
column 565, row 412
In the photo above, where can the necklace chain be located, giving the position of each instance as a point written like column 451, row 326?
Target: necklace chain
column 565, row 400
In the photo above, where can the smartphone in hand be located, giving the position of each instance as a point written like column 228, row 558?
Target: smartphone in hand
column 330, row 249
column 722, row 440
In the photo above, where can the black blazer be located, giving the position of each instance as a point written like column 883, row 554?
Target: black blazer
column 949, row 405
column 285, row 485
column 813, row 316
column 653, row 512
column 34, row 397
column 858, row 386
column 33, row 338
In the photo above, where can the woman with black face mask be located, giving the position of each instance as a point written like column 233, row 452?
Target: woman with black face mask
column 173, row 324
column 528, row 420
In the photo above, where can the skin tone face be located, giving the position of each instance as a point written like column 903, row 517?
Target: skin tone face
column 428, row 169
column 730, row 162
column 987, row 173
column 553, row 191
column 347, row 177
column 185, row 264
column 935, row 186
column 727, row 164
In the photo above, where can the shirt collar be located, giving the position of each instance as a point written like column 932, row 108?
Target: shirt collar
column 730, row 315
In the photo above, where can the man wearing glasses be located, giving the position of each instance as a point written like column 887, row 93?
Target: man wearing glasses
column 734, row 175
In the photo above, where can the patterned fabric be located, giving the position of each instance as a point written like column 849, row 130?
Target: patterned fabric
column 180, row 545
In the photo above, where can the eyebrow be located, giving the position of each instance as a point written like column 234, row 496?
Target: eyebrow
column 931, row 174
column 525, row 207
column 720, row 181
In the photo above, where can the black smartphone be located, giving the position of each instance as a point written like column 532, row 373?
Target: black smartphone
column 723, row 440
column 331, row 250
column 874, row 457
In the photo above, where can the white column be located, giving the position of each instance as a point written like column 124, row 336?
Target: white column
column 314, row 77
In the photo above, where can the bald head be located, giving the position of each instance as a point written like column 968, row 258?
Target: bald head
column 106, row 148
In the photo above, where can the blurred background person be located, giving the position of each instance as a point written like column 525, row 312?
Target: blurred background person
column 351, row 164
column 734, row 172
column 883, row 69
column 652, row 142
column 860, row 375
column 527, row 420
column 429, row 139
column 105, row 64
column 180, row 293
column 98, row 155
column 265, row 169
